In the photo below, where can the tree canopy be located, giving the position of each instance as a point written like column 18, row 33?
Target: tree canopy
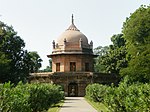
column 136, row 32
column 48, row 68
column 111, row 58
column 129, row 55
column 35, row 61
column 14, row 60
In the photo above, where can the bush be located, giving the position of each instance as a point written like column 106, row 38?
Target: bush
column 29, row 97
column 96, row 92
column 135, row 97
column 42, row 96
column 14, row 98
column 124, row 98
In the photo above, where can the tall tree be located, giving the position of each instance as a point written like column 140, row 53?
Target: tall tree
column 101, row 52
column 136, row 32
column 4, row 66
column 11, row 48
column 35, row 61
column 48, row 68
column 113, row 58
column 14, row 60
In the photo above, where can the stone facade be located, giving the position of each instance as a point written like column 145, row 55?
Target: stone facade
column 74, row 80
column 65, row 63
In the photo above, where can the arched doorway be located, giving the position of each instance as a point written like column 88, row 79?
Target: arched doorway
column 73, row 89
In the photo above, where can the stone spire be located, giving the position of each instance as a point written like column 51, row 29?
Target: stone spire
column 72, row 19
column 72, row 26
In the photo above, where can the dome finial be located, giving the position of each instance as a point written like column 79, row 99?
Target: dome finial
column 72, row 19
column 72, row 26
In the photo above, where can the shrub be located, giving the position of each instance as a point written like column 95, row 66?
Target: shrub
column 124, row 98
column 42, row 96
column 29, row 97
column 132, row 98
column 96, row 92
column 14, row 99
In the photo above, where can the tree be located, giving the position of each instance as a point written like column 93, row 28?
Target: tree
column 118, row 40
column 113, row 58
column 4, row 62
column 4, row 66
column 35, row 61
column 101, row 52
column 136, row 32
column 14, row 60
column 48, row 68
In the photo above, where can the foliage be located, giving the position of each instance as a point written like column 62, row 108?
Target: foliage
column 101, row 52
column 28, row 97
column 129, row 56
column 4, row 65
column 118, row 40
column 48, row 68
column 15, row 62
column 96, row 92
column 128, row 98
column 100, row 107
column 139, row 68
column 44, row 95
column 136, row 32
column 111, row 59
column 56, row 107
column 136, row 29
column 124, row 98
column 34, row 62
column 14, row 99
column 12, row 55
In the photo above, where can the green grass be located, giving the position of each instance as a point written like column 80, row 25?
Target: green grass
column 100, row 107
column 56, row 107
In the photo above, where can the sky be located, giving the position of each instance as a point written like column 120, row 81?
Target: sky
column 39, row 22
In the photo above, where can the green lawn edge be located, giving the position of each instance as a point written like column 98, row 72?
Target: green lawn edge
column 100, row 107
column 56, row 107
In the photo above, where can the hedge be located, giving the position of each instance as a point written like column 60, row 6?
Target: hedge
column 124, row 98
column 29, row 97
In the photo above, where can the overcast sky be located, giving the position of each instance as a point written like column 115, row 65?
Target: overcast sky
column 39, row 22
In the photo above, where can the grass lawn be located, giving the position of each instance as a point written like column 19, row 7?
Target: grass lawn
column 100, row 107
column 56, row 107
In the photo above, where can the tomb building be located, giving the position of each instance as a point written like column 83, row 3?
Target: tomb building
column 72, row 63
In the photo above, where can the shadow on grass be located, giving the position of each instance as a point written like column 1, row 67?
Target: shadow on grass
column 56, row 107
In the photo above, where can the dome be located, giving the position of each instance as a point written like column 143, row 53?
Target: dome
column 72, row 41
column 72, row 34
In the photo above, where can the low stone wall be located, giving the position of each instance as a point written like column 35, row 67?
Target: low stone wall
column 73, row 80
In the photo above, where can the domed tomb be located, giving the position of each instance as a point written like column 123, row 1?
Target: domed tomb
column 72, row 41
column 72, row 52
column 72, row 64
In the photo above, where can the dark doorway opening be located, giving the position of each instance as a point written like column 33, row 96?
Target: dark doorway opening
column 73, row 89
column 72, row 66
column 87, row 67
column 57, row 67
